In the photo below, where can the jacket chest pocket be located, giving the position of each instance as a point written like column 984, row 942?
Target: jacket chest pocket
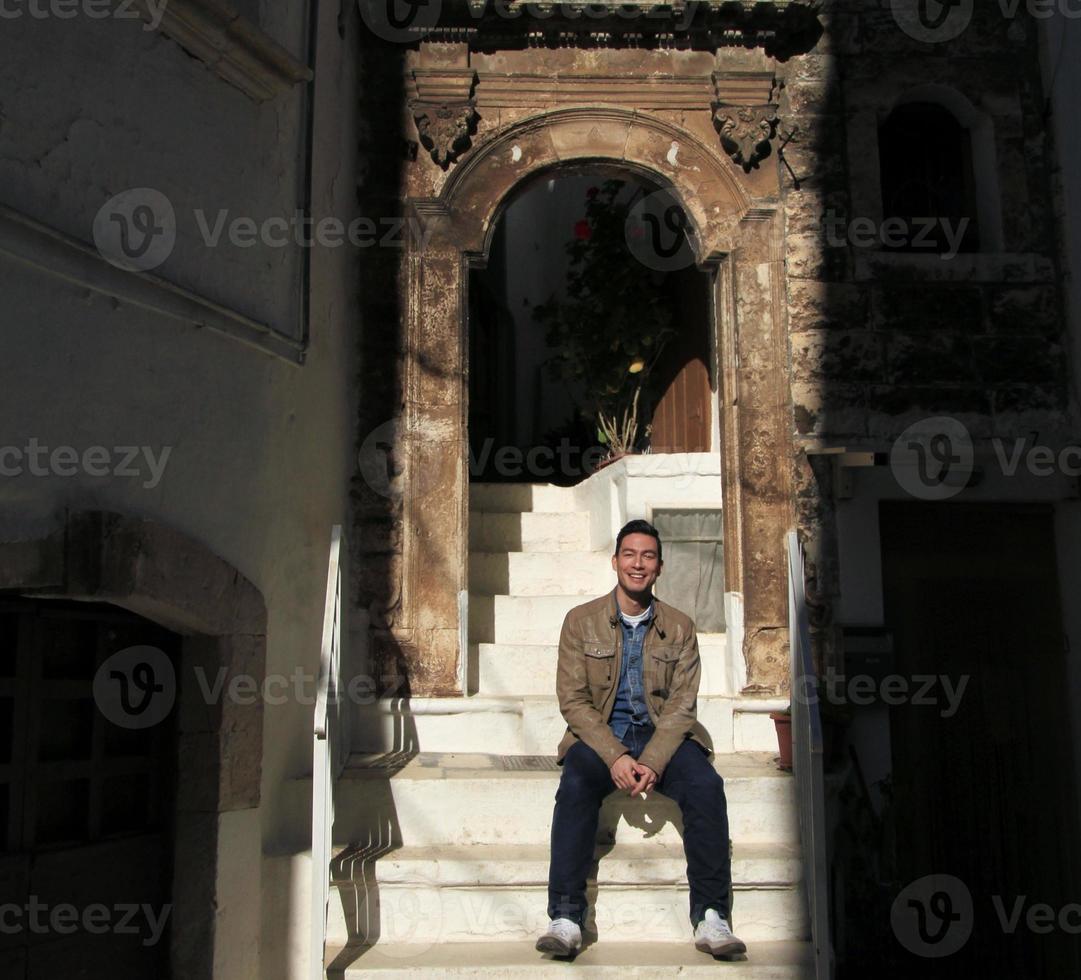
column 599, row 662
column 662, row 667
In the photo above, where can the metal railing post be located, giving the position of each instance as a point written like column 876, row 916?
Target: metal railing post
column 807, row 760
column 327, row 753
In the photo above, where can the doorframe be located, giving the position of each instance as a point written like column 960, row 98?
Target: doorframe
column 740, row 236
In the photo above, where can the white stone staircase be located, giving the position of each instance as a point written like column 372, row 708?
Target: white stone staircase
column 444, row 812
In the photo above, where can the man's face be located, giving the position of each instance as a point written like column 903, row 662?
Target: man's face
column 636, row 564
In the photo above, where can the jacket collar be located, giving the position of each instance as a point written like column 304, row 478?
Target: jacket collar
column 656, row 620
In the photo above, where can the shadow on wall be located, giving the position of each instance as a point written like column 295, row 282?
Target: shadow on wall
column 367, row 828
column 902, row 231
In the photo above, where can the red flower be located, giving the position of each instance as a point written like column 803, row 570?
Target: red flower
column 592, row 192
column 582, row 231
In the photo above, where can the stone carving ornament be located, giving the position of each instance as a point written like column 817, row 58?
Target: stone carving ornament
column 746, row 132
column 444, row 127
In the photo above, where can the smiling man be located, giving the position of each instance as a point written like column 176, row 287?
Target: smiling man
column 627, row 682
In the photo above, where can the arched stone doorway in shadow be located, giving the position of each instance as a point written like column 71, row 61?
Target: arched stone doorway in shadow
column 179, row 589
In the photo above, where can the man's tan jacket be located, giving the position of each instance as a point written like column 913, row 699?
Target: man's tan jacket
column 587, row 679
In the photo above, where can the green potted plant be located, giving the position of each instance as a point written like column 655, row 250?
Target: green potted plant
column 609, row 328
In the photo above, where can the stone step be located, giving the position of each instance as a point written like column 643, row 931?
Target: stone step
column 529, row 725
column 519, row 498
column 529, row 619
column 608, row 960
column 498, row 893
column 651, row 862
column 531, row 531
column 433, row 798
column 523, row 669
column 518, row 619
column 538, row 573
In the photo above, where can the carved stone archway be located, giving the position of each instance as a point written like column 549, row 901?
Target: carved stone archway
column 737, row 233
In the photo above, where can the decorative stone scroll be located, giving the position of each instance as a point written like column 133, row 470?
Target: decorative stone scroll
column 746, row 116
column 746, row 132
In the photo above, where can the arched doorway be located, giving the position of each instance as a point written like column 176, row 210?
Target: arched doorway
column 590, row 304
column 153, row 587
column 740, row 234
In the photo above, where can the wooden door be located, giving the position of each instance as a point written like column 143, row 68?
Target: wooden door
column 682, row 414
column 984, row 793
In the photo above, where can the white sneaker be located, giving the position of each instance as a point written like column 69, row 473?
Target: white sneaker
column 563, row 938
column 714, row 936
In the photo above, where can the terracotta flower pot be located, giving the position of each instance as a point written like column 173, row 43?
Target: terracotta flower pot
column 783, row 723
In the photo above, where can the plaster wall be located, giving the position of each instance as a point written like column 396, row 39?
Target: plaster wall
column 117, row 106
column 259, row 447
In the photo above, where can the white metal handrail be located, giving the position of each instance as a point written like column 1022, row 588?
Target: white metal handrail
column 807, row 760
column 328, row 748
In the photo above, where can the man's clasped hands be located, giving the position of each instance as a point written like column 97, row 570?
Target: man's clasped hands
column 630, row 775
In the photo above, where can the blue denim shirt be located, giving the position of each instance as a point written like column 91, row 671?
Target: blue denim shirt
column 630, row 707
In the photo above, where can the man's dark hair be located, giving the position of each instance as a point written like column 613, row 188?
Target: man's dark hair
column 638, row 527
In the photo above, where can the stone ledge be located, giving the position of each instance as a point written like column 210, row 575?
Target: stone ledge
column 231, row 46
column 38, row 246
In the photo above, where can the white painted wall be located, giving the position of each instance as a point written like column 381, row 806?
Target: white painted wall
column 261, row 449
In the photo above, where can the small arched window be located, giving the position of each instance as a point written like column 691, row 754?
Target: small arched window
column 927, row 181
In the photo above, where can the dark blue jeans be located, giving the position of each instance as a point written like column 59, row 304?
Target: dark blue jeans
column 689, row 779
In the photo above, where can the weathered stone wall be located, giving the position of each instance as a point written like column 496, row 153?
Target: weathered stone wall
column 880, row 340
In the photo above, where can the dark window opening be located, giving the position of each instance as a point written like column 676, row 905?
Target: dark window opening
column 928, row 187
